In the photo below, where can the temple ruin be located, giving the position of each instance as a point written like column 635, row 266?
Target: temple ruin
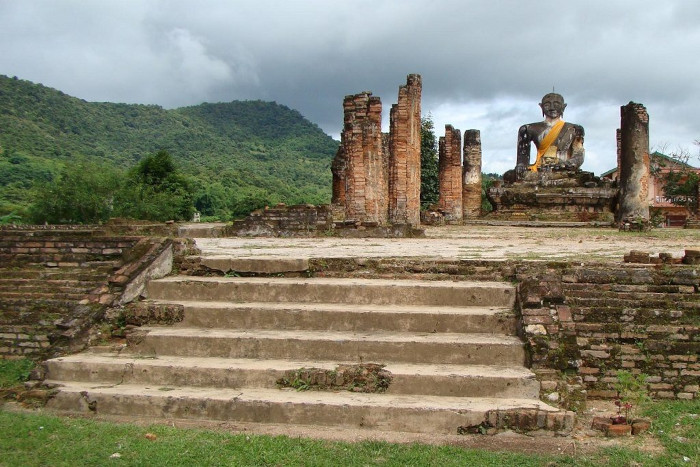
column 376, row 177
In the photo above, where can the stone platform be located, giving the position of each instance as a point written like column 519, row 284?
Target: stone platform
column 546, row 196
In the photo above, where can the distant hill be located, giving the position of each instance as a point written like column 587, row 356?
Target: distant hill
column 237, row 150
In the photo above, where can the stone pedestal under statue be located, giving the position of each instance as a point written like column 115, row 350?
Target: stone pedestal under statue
column 571, row 196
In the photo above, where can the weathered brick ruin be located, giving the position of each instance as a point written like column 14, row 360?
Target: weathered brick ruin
column 56, row 282
column 634, row 163
column 471, row 175
column 376, row 177
column 591, row 321
column 450, row 175
column 360, row 166
column 404, row 154
column 284, row 221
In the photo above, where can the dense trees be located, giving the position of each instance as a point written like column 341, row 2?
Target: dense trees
column 680, row 181
column 231, row 155
column 429, row 183
column 88, row 192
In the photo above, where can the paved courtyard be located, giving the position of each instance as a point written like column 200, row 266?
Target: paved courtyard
column 469, row 242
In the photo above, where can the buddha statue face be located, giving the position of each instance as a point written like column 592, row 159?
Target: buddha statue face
column 552, row 105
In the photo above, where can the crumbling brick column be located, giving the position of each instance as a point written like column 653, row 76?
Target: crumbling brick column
column 450, row 174
column 634, row 163
column 338, row 168
column 471, row 175
column 359, row 168
column 404, row 158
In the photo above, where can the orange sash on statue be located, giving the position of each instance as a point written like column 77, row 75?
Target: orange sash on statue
column 546, row 143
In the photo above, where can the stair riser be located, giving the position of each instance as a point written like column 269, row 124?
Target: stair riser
column 167, row 376
column 414, row 420
column 358, row 294
column 256, row 318
column 374, row 351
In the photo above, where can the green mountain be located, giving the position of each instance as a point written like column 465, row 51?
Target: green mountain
column 230, row 152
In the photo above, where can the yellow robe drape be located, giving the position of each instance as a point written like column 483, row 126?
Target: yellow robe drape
column 546, row 143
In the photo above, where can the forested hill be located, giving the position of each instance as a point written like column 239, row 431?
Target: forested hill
column 241, row 150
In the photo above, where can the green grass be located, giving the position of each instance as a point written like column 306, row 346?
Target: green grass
column 29, row 439
column 14, row 372
column 34, row 439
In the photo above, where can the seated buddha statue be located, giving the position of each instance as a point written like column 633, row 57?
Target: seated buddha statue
column 559, row 144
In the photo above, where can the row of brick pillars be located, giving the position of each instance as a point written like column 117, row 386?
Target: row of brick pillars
column 460, row 185
column 376, row 177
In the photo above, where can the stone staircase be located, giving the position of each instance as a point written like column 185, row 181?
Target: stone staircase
column 448, row 348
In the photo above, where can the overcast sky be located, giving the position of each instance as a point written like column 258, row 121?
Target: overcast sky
column 485, row 64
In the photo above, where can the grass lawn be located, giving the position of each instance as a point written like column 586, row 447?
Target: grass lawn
column 29, row 439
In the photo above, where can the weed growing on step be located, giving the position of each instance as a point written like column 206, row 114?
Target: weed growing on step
column 367, row 377
column 631, row 393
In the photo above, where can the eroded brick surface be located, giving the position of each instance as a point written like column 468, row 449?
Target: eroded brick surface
column 450, row 175
column 404, row 159
column 471, row 181
column 359, row 168
column 634, row 163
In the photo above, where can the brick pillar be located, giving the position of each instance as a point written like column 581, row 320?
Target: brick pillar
column 471, row 175
column 634, row 162
column 618, row 138
column 404, row 157
column 450, row 175
column 359, row 169
column 338, row 169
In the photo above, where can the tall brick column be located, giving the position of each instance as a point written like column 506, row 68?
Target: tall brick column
column 471, row 175
column 634, row 162
column 450, row 174
column 404, row 157
column 338, row 169
column 359, row 168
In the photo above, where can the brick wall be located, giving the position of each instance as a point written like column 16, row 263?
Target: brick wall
column 284, row 221
column 593, row 321
column 55, row 282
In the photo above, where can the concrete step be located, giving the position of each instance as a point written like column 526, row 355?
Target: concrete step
column 437, row 380
column 323, row 290
column 406, row 413
column 380, row 347
column 341, row 317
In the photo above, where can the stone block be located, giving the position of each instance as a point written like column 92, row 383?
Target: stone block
column 640, row 426
column 618, row 431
